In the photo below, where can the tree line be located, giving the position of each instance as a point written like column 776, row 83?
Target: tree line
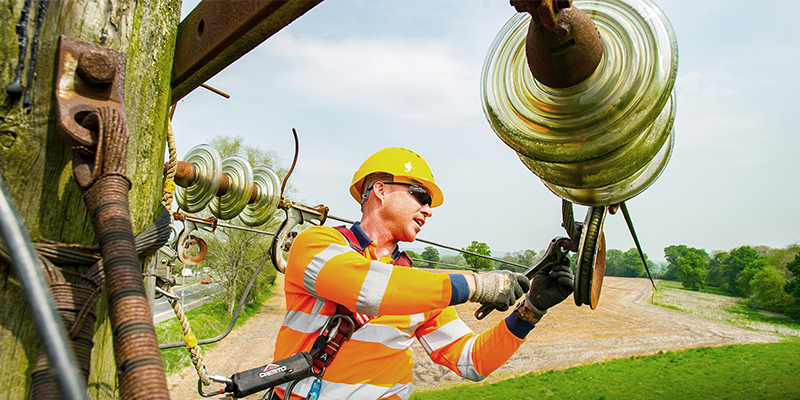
column 766, row 277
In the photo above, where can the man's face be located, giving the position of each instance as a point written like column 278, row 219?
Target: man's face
column 404, row 214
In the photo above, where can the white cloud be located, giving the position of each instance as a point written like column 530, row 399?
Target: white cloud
column 422, row 82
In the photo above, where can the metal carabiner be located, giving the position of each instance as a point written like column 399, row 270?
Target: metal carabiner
column 208, row 394
column 337, row 319
column 214, row 378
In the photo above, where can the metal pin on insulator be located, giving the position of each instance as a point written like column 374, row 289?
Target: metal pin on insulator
column 563, row 46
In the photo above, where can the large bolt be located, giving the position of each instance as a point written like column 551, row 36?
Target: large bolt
column 96, row 69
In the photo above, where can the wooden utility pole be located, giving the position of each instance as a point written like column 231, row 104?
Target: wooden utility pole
column 36, row 165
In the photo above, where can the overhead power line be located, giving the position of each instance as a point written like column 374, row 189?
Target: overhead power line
column 347, row 221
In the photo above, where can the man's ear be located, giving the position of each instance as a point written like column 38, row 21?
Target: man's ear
column 379, row 188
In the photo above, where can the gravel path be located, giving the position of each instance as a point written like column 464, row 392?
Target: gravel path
column 623, row 325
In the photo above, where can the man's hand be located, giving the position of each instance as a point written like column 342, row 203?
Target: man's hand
column 499, row 289
column 550, row 287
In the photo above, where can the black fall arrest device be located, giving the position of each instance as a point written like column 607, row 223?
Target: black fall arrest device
column 299, row 366
column 264, row 377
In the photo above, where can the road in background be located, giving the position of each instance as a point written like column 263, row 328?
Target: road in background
column 192, row 296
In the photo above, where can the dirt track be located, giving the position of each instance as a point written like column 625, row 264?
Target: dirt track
column 623, row 325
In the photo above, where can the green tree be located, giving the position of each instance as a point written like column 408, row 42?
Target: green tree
column 431, row 254
column 715, row 269
column 747, row 274
column 767, row 286
column 731, row 270
column 524, row 257
column 631, row 265
column 692, row 271
column 230, row 145
column 792, row 286
column 476, row 261
column 684, row 265
column 627, row 264
column 672, row 254
column 457, row 259
column 614, row 262
column 780, row 257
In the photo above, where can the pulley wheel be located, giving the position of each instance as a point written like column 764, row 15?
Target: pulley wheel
column 591, row 258
column 262, row 210
column 208, row 165
column 599, row 271
column 240, row 188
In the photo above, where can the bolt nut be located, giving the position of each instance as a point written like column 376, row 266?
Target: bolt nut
column 96, row 69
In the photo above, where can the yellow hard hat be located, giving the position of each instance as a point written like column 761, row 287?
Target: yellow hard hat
column 405, row 165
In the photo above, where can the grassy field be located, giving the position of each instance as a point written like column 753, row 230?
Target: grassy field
column 766, row 371
column 757, row 371
column 713, row 304
column 207, row 321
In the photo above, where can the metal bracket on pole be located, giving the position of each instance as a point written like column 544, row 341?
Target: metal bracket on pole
column 87, row 77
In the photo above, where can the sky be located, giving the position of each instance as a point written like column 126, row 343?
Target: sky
column 356, row 76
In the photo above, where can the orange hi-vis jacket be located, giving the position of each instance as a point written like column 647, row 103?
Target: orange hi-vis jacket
column 323, row 270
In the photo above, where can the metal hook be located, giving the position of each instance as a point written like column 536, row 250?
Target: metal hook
column 185, row 240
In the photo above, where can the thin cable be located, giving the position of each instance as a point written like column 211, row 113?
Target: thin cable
column 40, row 301
column 445, row 264
column 294, row 162
column 636, row 240
column 347, row 221
column 242, row 228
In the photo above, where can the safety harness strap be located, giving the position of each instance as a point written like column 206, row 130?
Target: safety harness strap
column 346, row 322
column 404, row 260
column 328, row 343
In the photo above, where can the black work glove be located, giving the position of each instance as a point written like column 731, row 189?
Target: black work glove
column 550, row 287
column 499, row 289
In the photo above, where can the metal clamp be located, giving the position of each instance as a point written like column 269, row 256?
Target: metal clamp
column 87, row 77
column 296, row 214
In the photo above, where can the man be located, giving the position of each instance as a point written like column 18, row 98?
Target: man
column 363, row 270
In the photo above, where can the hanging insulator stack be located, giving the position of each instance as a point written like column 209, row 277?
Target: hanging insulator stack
column 583, row 92
column 596, row 130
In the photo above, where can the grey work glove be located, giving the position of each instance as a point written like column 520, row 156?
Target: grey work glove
column 550, row 287
column 499, row 289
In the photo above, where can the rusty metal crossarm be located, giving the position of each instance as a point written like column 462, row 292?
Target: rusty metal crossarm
column 217, row 33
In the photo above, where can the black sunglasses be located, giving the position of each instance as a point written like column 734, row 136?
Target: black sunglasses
column 419, row 192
